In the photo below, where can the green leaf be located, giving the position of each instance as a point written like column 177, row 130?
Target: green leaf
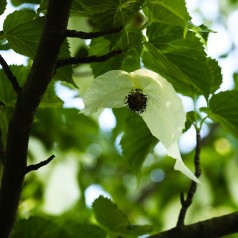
column 22, row 30
column 19, row 2
column 106, row 14
column 76, row 8
column 100, row 46
column 137, row 142
column 3, row 4
column 110, row 216
column 130, row 41
column 191, row 118
column 83, row 231
column 34, row 226
column 182, row 61
column 7, row 94
column 167, row 11
column 216, row 76
column 223, row 108
column 61, row 126
column 202, row 31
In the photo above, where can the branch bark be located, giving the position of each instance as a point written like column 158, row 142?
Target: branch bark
column 212, row 228
column 89, row 59
column 186, row 203
column 9, row 74
column 91, row 35
column 27, row 103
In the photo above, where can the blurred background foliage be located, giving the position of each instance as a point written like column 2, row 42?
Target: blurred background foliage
column 89, row 161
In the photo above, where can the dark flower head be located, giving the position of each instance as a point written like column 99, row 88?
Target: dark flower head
column 136, row 101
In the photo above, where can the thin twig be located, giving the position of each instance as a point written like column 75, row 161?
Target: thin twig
column 188, row 201
column 9, row 74
column 89, row 59
column 32, row 167
column 91, row 35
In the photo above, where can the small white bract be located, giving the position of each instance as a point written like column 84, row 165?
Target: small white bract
column 161, row 108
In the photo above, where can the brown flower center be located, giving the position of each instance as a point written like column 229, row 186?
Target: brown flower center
column 136, row 101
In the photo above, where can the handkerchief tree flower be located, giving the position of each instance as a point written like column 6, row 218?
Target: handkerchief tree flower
column 152, row 97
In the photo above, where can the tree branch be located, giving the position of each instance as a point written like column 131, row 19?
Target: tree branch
column 32, row 167
column 27, row 103
column 193, row 187
column 2, row 149
column 91, row 35
column 89, row 59
column 9, row 74
column 212, row 228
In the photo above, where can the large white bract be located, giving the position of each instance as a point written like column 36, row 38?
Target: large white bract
column 164, row 114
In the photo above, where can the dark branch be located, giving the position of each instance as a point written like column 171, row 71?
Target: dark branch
column 188, row 201
column 27, row 103
column 2, row 149
column 91, row 35
column 212, row 228
column 32, row 167
column 9, row 74
column 89, row 59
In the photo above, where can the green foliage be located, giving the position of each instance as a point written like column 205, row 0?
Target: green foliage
column 3, row 5
column 111, row 13
column 157, row 35
column 136, row 142
column 223, row 108
column 34, row 226
column 22, row 30
column 180, row 60
column 111, row 217
column 170, row 12
column 49, row 227
column 19, row 2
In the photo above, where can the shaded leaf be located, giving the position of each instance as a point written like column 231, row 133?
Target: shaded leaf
column 136, row 142
column 110, row 216
column 191, row 118
column 76, row 8
column 223, row 108
column 19, row 2
column 3, row 4
column 100, row 46
column 55, row 125
column 34, row 226
column 7, row 94
column 84, row 230
column 106, row 14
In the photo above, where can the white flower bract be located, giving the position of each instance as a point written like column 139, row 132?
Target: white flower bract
column 164, row 114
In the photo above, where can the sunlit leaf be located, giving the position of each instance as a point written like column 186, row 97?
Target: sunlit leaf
column 181, row 60
column 167, row 11
column 22, row 30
